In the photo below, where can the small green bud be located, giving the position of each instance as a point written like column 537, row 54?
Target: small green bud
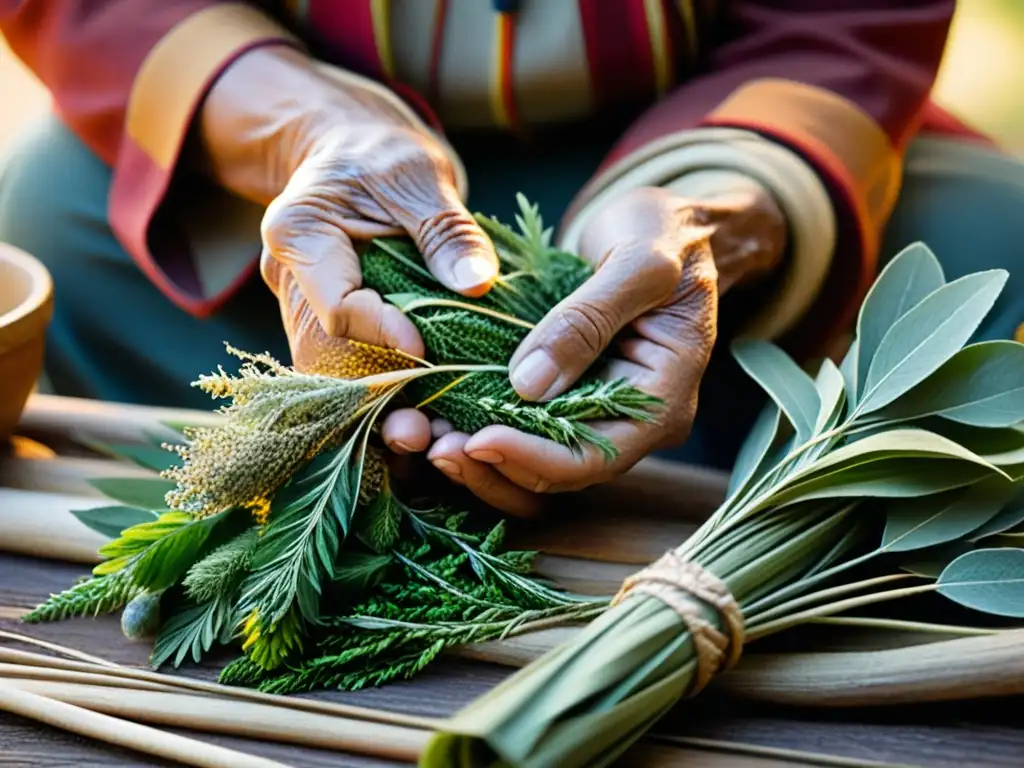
column 140, row 619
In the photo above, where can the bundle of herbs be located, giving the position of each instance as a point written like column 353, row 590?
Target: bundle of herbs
column 281, row 528
column 898, row 474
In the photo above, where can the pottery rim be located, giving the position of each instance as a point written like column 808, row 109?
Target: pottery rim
column 29, row 316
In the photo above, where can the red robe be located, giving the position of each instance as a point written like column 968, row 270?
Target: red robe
column 842, row 84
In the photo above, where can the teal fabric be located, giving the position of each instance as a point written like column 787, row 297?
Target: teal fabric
column 115, row 337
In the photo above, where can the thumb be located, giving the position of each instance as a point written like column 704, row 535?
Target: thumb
column 633, row 279
column 454, row 247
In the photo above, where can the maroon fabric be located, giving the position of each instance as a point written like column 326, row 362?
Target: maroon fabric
column 618, row 73
column 87, row 52
column 880, row 54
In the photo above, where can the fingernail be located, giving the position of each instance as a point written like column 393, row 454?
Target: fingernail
column 399, row 447
column 534, row 375
column 448, row 467
column 487, row 457
column 473, row 271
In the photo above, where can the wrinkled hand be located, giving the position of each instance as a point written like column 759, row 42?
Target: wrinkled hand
column 337, row 162
column 661, row 263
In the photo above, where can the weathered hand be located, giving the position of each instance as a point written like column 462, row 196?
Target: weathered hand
column 661, row 262
column 336, row 161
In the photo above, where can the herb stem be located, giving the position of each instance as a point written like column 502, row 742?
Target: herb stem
column 769, row 628
column 824, row 594
column 908, row 626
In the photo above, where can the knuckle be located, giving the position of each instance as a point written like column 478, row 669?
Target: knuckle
column 437, row 230
column 588, row 325
column 284, row 221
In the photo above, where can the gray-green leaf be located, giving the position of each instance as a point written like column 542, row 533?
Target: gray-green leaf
column 907, row 442
column 111, row 521
column 889, row 477
column 831, row 390
column 141, row 492
column 912, row 275
column 928, row 335
column 981, row 385
column 987, row 580
column 755, row 448
column 1008, row 517
column 848, row 368
column 784, row 381
column 925, row 522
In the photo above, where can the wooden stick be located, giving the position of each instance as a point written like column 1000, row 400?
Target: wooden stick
column 69, row 652
column 110, row 422
column 13, row 656
column 41, row 525
column 64, row 474
column 26, row 672
column 17, row 697
column 269, row 722
column 948, row 670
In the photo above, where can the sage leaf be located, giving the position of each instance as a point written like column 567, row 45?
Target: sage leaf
column 981, row 385
column 987, row 580
column 984, row 441
column 927, row 336
column 755, row 448
column 1007, row 459
column 848, row 368
column 924, row 522
column 111, row 521
column 906, row 442
column 930, row 563
column 913, row 274
column 784, row 381
column 1008, row 517
column 888, row 477
column 139, row 492
column 831, row 389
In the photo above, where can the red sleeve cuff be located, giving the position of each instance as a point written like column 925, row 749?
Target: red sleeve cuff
column 166, row 93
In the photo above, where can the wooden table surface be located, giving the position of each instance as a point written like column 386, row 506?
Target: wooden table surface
column 977, row 733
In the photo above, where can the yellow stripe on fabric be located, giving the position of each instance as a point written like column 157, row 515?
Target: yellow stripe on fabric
column 380, row 12
column 499, row 107
column 686, row 11
column 657, row 28
column 178, row 68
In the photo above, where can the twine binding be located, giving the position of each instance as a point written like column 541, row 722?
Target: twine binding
column 685, row 586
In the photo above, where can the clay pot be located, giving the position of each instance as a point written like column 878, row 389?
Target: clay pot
column 26, row 306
